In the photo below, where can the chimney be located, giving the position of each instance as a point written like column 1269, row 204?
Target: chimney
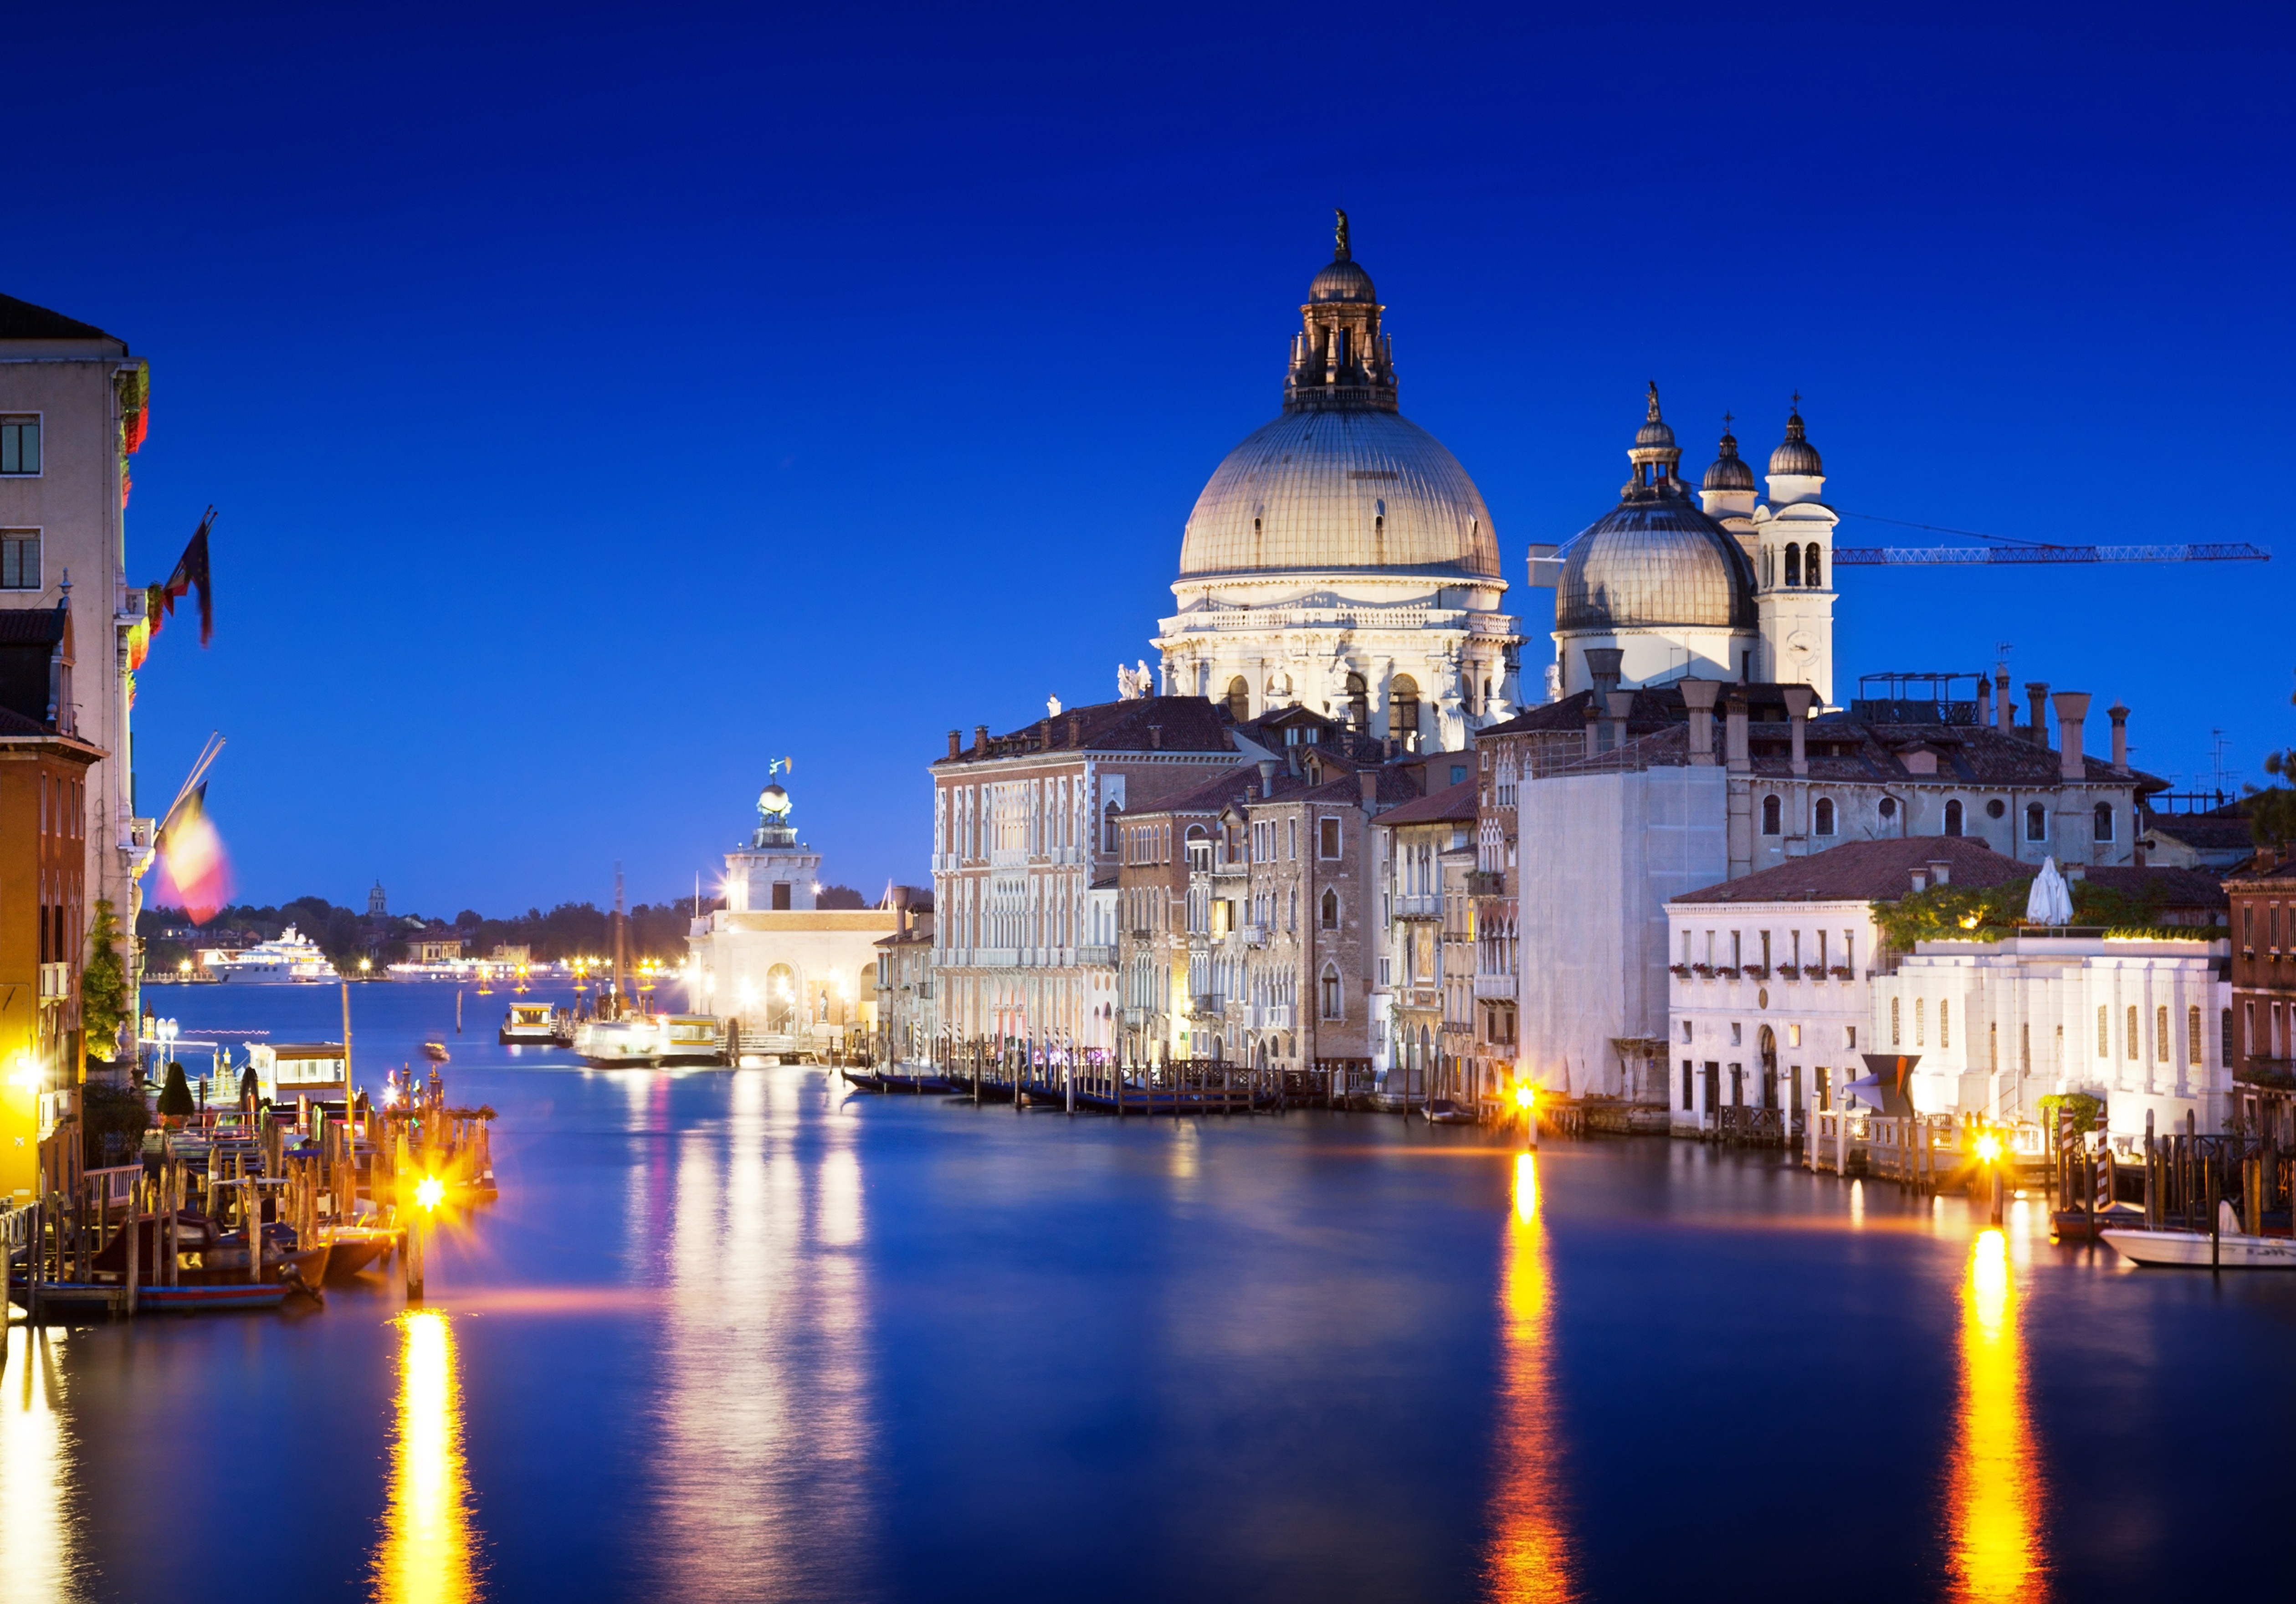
column 1602, row 668
column 2120, row 717
column 1594, row 729
column 1368, row 779
column 1698, row 695
column 2072, row 713
column 1799, row 698
column 2037, row 692
column 1620, row 704
column 956, row 743
column 1734, row 735
column 980, row 740
column 1266, row 778
column 2005, row 711
column 1984, row 701
column 1155, row 737
column 1045, row 734
column 1940, row 871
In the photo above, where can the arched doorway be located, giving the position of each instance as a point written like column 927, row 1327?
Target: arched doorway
column 1767, row 1043
column 1239, row 699
column 782, row 1002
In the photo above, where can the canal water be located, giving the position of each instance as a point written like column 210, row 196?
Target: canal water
column 739, row 1335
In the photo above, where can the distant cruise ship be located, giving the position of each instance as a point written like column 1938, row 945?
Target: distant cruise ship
column 293, row 959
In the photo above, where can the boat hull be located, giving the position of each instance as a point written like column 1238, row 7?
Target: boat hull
column 2190, row 1249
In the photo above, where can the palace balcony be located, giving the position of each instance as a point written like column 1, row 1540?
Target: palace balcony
column 1421, row 905
column 1494, row 985
column 1254, row 935
column 1096, row 957
column 1486, row 883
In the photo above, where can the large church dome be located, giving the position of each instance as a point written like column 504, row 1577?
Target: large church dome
column 1338, row 489
column 1342, row 479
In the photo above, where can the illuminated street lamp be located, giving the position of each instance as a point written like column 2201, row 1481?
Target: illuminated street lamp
column 1988, row 1153
column 1526, row 1098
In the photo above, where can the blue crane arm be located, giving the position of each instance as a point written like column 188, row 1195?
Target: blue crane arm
column 1915, row 556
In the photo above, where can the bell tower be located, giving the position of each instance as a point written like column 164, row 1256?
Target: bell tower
column 1791, row 541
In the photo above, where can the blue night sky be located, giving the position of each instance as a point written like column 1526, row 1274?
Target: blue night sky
column 600, row 402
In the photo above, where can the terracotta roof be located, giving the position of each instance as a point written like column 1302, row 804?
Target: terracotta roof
column 22, row 320
column 31, row 625
column 2249, row 874
column 1867, row 871
column 1451, row 804
column 1182, row 723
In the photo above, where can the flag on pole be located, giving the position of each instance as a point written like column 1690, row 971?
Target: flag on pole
column 190, row 574
column 192, row 853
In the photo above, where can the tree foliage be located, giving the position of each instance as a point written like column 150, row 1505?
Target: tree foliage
column 2272, row 811
column 118, row 1111
column 1973, row 913
column 102, row 985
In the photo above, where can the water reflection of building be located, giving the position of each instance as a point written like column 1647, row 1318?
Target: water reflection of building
column 771, row 959
column 1528, row 1557
column 1995, row 1493
column 430, row 1550
column 39, row 1551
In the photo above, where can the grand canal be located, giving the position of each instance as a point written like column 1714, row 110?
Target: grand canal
column 739, row 1335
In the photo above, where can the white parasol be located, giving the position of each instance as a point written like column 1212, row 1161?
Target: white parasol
column 2052, row 902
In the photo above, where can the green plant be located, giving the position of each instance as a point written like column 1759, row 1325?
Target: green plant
column 2087, row 1112
column 102, row 985
column 117, row 1110
column 175, row 1096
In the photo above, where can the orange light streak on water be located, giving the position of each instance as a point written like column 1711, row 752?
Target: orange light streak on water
column 1995, row 1496
column 429, row 1550
column 1529, row 1560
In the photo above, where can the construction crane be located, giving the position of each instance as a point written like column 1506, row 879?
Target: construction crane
column 2008, row 550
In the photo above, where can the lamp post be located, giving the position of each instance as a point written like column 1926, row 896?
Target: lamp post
column 1526, row 1098
column 165, row 1031
column 1988, row 1149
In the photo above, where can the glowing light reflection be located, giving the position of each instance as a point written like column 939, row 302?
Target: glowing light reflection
column 1995, row 1493
column 1529, row 1558
column 428, row 1551
column 39, row 1535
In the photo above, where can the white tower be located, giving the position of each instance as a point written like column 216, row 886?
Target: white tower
column 774, row 872
column 1790, row 541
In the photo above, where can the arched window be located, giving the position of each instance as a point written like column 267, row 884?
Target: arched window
column 1359, row 703
column 1239, row 698
column 2037, row 822
column 1113, row 838
column 1403, row 712
column 1810, row 566
column 1331, row 910
column 2104, row 822
column 1953, row 817
column 1823, row 816
column 1773, row 811
column 1279, row 688
column 1331, row 997
column 1793, row 563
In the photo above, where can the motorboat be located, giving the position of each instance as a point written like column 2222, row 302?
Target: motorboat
column 436, row 1051
column 292, row 959
column 1443, row 1111
column 2231, row 1248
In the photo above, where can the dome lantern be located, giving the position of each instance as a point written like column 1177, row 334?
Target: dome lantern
column 1797, row 473
column 1341, row 361
column 1654, row 456
column 1729, row 471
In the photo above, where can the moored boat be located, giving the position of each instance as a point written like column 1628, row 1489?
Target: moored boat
column 533, row 1025
column 1443, row 1111
column 690, row 1039
column 436, row 1051
column 2231, row 1248
column 620, row 1043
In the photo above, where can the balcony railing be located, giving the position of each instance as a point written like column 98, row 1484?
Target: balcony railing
column 1271, row 1016
column 1097, row 956
column 1494, row 985
column 1486, row 883
column 1424, row 905
column 1254, row 935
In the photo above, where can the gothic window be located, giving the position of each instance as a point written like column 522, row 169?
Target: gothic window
column 1112, row 839
column 1331, row 911
column 1824, row 817
column 1793, row 563
column 1953, row 817
column 1331, row 994
column 2104, row 822
column 1239, row 699
column 1810, row 566
column 2037, row 822
column 1772, row 812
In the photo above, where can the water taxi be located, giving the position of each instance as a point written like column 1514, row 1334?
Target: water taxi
column 632, row 1043
column 690, row 1039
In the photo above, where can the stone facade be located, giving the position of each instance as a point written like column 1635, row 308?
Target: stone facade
column 2260, row 1028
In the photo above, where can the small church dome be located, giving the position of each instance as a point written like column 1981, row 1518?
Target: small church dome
column 1730, row 470
column 1654, row 563
column 1342, row 280
column 1795, row 455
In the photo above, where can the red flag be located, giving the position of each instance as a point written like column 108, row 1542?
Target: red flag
column 190, row 574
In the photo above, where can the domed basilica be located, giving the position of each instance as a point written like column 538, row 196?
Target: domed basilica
column 1341, row 559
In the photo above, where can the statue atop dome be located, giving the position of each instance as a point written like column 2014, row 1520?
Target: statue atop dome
column 1339, row 238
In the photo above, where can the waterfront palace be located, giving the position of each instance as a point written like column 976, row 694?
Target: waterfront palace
column 1329, row 827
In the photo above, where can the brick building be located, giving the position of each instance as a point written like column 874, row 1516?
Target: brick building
column 2261, row 1040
